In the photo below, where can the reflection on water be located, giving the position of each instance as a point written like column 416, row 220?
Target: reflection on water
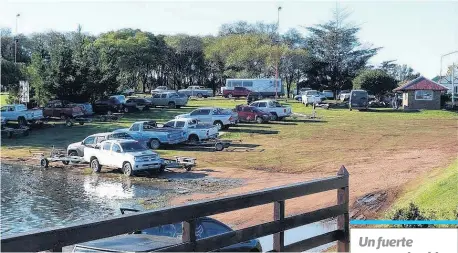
column 302, row 233
column 33, row 199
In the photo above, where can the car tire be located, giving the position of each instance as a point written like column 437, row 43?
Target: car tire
column 219, row 125
column 219, row 146
column 259, row 120
column 109, row 112
column 171, row 105
column 126, row 109
column 154, row 144
column 229, row 95
column 273, row 116
column 127, row 169
column 73, row 153
column 44, row 163
column 81, row 123
column 199, row 95
column 193, row 139
column 22, row 121
column 95, row 165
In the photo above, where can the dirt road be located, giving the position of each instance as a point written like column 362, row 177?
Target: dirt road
column 385, row 174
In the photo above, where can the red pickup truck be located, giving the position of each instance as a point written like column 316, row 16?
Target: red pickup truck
column 251, row 114
column 236, row 92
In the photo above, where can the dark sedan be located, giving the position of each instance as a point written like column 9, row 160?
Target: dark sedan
column 156, row 238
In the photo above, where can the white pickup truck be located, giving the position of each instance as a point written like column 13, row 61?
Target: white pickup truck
column 128, row 155
column 276, row 110
column 19, row 113
column 194, row 131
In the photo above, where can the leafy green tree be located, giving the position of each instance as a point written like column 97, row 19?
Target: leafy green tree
column 376, row 82
column 337, row 51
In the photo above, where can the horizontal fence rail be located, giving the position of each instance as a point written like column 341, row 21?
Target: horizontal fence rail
column 56, row 238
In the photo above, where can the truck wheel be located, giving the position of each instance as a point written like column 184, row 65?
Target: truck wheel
column 193, row 139
column 44, row 163
column 172, row 105
column 259, row 120
column 22, row 121
column 95, row 165
column 199, row 95
column 154, row 144
column 273, row 116
column 219, row 146
column 127, row 169
column 162, row 168
column 218, row 124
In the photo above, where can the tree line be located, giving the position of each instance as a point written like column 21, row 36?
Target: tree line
column 80, row 67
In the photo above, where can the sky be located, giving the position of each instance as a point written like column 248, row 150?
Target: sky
column 415, row 33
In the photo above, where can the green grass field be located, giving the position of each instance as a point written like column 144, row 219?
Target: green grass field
column 437, row 192
column 3, row 97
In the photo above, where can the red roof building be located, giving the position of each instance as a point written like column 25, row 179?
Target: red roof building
column 421, row 93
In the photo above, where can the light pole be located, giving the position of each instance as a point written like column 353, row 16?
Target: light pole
column 278, row 45
column 452, row 77
column 16, row 40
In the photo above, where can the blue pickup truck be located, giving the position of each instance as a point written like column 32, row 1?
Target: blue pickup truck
column 148, row 132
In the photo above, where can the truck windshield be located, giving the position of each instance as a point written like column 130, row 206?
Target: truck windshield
column 132, row 147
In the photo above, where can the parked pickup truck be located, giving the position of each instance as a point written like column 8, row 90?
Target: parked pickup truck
column 197, row 91
column 19, row 113
column 221, row 118
column 194, row 131
column 171, row 99
column 77, row 148
column 62, row 109
column 128, row 155
column 148, row 132
column 276, row 110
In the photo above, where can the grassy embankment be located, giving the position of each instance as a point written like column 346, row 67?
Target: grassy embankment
column 436, row 194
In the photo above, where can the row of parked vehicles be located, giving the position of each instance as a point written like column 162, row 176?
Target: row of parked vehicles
column 130, row 149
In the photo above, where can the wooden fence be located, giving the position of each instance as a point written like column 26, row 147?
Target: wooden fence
column 56, row 238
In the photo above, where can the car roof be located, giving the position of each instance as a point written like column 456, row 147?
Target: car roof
column 131, row 243
column 120, row 141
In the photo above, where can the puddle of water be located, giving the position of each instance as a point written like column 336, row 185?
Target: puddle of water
column 302, row 233
column 33, row 199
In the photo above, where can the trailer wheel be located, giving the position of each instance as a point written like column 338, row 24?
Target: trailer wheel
column 95, row 165
column 219, row 146
column 81, row 123
column 44, row 163
column 65, row 162
column 127, row 169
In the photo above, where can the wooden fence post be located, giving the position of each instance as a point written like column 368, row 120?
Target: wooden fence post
column 189, row 232
column 343, row 221
column 279, row 214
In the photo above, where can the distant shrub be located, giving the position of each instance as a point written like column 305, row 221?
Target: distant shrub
column 412, row 212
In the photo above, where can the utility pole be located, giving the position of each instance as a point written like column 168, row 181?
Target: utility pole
column 16, row 39
column 278, row 45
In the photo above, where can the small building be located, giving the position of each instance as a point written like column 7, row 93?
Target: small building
column 421, row 93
